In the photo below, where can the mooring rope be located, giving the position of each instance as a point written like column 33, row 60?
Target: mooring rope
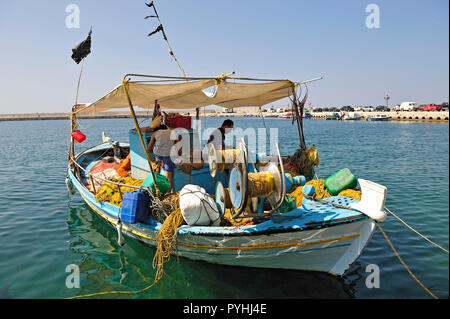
column 424, row 237
column 387, row 239
column 404, row 265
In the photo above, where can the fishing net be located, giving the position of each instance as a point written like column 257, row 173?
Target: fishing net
column 303, row 162
column 322, row 192
column 353, row 193
column 110, row 192
column 227, row 220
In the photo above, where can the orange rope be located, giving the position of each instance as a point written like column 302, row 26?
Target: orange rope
column 403, row 263
column 424, row 237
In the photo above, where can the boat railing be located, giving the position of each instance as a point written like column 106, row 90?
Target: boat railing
column 92, row 176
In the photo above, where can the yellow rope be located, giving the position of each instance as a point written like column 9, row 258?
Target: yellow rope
column 403, row 263
column 424, row 237
column 166, row 240
column 260, row 184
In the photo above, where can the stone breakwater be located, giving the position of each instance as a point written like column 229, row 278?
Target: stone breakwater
column 434, row 116
column 66, row 116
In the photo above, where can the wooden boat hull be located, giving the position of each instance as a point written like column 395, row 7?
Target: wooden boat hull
column 301, row 239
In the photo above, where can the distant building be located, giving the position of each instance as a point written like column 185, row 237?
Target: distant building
column 228, row 110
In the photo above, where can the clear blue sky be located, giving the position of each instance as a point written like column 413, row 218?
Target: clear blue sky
column 407, row 57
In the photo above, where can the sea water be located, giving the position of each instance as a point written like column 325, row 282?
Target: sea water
column 45, row 232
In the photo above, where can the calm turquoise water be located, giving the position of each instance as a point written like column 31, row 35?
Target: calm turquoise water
column 43, row 228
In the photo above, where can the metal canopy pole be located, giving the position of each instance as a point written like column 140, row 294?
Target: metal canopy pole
column 133, row 114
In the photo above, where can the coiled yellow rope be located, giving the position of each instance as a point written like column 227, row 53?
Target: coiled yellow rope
column 260, row 184
column 166, row 241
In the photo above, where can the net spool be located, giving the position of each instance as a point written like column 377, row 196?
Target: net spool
column 267, row 184
column 223, row 200
column 220, row 160
column 227, row 158
column 260, row 184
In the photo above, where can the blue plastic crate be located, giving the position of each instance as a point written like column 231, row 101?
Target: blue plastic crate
column 135, row 207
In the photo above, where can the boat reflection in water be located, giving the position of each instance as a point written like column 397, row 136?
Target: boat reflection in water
column 105, row 266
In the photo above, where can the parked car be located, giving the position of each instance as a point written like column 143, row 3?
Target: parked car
column 431, row 107
column 368, row 108
column 381, row 108
column 332, row 109
column 325, row 109
column 407, row 106
column 347, row 108
column 445, row 106
column 319, row 109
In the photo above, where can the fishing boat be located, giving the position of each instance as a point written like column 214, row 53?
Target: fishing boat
column 325, row 235
column 333, row 117
column 378, row 118
column 352, row 116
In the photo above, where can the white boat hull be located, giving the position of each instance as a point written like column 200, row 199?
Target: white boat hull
column 332, row 249
column 318, row 237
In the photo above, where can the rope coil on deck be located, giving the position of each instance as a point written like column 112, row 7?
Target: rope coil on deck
column 260, row 184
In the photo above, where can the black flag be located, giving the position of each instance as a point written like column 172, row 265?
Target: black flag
column 159, row 28
column 149, row 4
column 82, row 49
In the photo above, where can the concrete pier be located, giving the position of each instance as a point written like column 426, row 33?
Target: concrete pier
column 417, row 116
column 66, row 116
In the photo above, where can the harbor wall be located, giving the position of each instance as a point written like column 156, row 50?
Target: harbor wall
column 435, row 116
column 398, row 115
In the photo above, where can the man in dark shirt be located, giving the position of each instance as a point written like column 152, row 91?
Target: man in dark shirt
column 217, row 137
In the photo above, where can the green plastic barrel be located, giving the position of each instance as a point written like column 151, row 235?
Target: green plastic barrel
column 289, row 203
column 161, row 181
column 343, row 179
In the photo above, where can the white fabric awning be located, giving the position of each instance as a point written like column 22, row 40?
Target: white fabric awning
column 190, row 95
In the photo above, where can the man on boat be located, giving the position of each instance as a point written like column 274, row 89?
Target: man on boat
column 160, row 146
column 217, row 137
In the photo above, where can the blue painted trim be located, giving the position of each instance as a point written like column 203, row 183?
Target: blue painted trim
column 313, row 216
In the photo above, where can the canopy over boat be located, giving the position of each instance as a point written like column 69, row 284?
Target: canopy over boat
column 192, row 94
